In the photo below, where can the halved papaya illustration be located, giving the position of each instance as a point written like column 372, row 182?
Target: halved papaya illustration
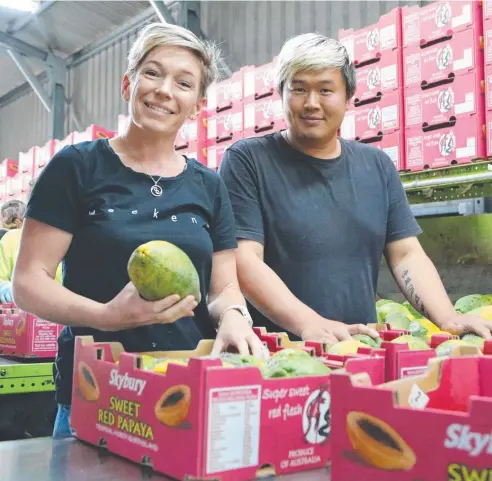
column 172, row 408
column 378, row 443
column 21, row 327
column 88, row 386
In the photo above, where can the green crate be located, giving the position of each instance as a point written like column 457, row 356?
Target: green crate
column 26, row 378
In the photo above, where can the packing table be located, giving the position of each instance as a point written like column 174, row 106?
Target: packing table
column 48, row 459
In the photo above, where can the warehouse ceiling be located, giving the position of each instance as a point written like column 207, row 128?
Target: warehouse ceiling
column 62, row 28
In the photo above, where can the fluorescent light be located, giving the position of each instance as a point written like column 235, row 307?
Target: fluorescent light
column 22, row 5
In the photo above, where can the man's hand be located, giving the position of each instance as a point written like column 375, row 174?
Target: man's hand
column 458, row 324
column 331, row 332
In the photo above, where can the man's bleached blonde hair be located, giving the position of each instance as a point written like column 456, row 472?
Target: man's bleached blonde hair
column 162, row 34
column 313, row 52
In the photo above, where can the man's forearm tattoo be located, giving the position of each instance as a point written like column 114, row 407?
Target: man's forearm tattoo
column 410, row 289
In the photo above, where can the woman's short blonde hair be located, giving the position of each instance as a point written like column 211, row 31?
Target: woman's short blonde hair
column 313, row 52
column 162, row 34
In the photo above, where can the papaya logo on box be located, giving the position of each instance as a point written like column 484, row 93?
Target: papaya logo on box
column 372, row 39
column 378, row 444
column 444, row 57
column 447, row 144
column 443, row 15
column 316, row 417
column 445, row 100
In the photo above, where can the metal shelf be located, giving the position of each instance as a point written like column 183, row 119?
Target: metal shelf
column 455, row 183
column 19, row 378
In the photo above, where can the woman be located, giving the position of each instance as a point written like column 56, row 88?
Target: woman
column 95, row 202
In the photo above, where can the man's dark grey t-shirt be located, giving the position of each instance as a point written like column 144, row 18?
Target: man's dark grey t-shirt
column 323, row 223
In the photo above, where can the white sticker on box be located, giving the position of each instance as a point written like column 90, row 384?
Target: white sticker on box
column 417, row 398
column 467, row 105
column 465, row 62
column 212, row 97
column 237, row 122
column 392, row 153
column 249, row 116
column 389, row 116
column 387, row 37
column 348, row 43
column 212, row 128
column 212, row 157
column 389, row 77
column 464, row 18
column 249, row 83
column 469, row 151
column 233, row 440
column 347, row 129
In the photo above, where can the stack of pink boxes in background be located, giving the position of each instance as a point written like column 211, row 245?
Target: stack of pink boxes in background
column 263, row 112
column 15, row 176
column 224, row 116
column 423, row 95
column 376, row 113
column 487, row 35
column 444, row 87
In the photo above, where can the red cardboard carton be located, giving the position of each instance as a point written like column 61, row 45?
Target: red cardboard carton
column 458, row 55
column 372, row 41
column 93, row 132
column 489, row 132
column 214, row 154
column 380, row 117
column 192, row 132
column 458, row 144
column 43, row 156
column 225, row 126
column 24, row 335
column 263, row 116
column 380, row 77
column 8, row 168
column 27, row 159
column 462, row 97
column 68, row 140
column 392, row 145
column 259, row 82
column 202, row 420
column 433, row 427
column 225, row 94
column 422, row 25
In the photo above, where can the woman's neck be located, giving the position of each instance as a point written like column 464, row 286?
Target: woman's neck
column 149, row 152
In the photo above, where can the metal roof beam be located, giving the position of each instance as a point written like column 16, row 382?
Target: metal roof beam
column 33, row 81
column 22, row 23
column 12, row 43
column 189, row 17
column 162, row 12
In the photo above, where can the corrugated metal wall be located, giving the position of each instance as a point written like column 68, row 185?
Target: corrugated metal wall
column 249, row 32
column 23, row 123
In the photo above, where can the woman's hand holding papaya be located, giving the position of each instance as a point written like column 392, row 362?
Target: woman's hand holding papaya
column 129, row 310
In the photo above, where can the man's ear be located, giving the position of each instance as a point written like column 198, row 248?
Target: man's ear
column 125, row 88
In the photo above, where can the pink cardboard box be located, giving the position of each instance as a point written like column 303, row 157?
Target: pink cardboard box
column 201, row 420
column 422, row 25
column 373, row 119
column 462, row 97
column 372, row 41
column 459, row 55
column 24, row 335
column 458, row 144
column 379, row 78
column 263, row 116
column 432, row 427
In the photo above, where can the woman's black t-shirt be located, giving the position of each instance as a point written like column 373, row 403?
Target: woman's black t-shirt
column 108, row 208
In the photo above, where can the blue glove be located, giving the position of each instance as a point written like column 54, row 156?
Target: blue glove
column 6, row 291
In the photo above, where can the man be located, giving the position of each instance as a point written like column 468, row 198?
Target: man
column 315, row 213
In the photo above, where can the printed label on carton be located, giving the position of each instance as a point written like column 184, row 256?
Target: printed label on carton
column 45, row 335
column 461, row 437
column 233, row 428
